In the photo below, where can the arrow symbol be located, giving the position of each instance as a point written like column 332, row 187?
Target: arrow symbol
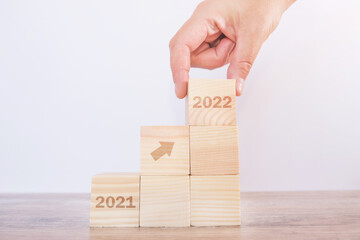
column 165, row 148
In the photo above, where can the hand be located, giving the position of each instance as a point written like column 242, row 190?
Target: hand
column 221, row 32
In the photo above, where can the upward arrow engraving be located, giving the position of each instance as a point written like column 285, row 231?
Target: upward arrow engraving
column 165, row 148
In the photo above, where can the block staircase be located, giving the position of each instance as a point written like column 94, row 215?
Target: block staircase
column 189, row 174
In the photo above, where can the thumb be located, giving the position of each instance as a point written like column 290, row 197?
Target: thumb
column 241, row 61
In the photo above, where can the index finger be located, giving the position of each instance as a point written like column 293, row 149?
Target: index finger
column 187, row 39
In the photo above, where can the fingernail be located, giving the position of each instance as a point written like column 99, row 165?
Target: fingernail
column 240, row 85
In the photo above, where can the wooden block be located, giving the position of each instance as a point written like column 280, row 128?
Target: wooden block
column 164, row 150
column 214, row 150
column 215, row 200
column 115, row 200
column 165, row 201
column 211, row 102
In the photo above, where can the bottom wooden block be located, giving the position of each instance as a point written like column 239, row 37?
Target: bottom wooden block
column 115, row 200
column 165, row 201
column 215, row 200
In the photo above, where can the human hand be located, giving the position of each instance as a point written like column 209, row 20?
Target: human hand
column 221, row 32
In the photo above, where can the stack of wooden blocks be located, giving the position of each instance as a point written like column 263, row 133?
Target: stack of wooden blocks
column 189, row 174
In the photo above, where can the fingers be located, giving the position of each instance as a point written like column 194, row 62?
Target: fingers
column 190, row 36
column 210, row 58
column 241, row 61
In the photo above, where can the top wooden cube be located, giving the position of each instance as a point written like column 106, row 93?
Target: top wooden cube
column 211, row 102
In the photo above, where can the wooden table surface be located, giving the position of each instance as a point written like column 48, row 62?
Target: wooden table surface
column 273, row 215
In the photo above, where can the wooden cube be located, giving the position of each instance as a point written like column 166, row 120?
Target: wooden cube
column 115, row 200
column 165, row 201
column 164, row 150
column 211, row 102
column 215, row 200
column 214, row 150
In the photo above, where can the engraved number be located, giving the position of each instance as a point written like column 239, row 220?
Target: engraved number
column 215, row 102
column 197, row 104
column 102, row 199
column 130, row 199
column 207, row 102
column 122, row 200
column 110, row 202
column 227, row 104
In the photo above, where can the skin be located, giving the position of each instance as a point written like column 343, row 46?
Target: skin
column 221, row 32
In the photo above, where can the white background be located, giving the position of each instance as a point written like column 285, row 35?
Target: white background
column 79, row 78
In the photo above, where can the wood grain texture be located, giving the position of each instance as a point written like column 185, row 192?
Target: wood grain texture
column 165, row 201
column 214, row 150
column 175, row 163
column 200, row 115
column 270, row 215
column 215, row 200
column 113, row 188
